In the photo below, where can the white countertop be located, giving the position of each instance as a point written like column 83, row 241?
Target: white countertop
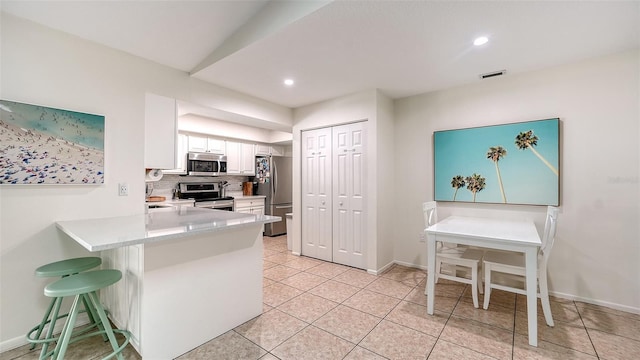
column 240, row 197
column 170, row 201
column 115, row 232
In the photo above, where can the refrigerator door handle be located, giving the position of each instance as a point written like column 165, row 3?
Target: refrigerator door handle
column 274, row 175
column 284, row 206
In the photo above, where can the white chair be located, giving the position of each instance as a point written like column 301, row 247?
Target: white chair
column 456, row 257
column 512, row 266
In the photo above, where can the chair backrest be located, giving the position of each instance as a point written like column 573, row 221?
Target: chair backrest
column 430, row 212
column 549, row 235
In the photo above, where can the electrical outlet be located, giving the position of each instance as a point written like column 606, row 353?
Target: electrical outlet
column 123, row 189
column 421, row 237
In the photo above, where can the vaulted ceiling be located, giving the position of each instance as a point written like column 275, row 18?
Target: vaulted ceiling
column 333, row 48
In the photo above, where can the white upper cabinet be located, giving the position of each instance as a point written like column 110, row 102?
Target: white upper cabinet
column 216, row 146
column 181, row 156
column 233, row 158
column 240, row 158
column 262, row 149
column 275, row 150
column 203, row 143
column 248, row 163
column 160, row 132
column 198, row 143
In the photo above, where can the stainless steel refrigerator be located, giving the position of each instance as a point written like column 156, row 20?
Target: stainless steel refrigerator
column 274, row 180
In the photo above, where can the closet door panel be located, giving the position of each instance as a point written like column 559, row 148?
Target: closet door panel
column 348, row 201
column 316, row 194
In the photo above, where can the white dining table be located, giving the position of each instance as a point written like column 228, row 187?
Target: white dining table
column 512, row 235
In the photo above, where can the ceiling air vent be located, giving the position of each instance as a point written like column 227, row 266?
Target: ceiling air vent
column 493, row 74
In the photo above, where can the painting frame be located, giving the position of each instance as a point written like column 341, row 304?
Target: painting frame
column 514, row 163
column 41, row 145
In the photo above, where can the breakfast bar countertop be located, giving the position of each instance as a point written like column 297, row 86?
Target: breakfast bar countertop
column 115, row 232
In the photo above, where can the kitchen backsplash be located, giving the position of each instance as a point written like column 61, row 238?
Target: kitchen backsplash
column 165, row 186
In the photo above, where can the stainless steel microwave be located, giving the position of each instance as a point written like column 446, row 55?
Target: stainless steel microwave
column 206, row 164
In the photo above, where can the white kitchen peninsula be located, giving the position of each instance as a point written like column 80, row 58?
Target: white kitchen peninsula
column 189, row 274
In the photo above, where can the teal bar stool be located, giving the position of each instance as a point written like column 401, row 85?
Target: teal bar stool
column 63, row 269
column 86, row 284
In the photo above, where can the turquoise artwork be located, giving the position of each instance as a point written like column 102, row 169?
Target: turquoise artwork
column 43, row 145
column 510, row 164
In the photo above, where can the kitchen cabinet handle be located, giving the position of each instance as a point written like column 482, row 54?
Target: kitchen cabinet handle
column 340, row 203
column 322, row 202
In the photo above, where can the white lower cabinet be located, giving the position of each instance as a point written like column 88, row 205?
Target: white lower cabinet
column 249, row 206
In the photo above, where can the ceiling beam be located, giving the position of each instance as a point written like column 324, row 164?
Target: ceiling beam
column 274, row 16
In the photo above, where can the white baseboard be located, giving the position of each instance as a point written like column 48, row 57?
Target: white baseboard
column 16, row 342
column 381, row 270
column 421, row 267
column 625, row 308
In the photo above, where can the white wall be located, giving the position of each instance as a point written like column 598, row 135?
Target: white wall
column 50, row 68
column 346, row 109
column 220, row 128
column 385, row 194
column 596, row 256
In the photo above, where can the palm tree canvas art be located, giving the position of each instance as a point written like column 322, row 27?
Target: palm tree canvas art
column 476, row 159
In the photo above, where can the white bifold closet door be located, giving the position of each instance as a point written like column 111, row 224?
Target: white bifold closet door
column 333, row 194
column 316, row 194
column 348, row 195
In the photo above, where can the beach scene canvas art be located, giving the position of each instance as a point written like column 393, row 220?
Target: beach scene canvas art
column 43, row 145
column 510, row 164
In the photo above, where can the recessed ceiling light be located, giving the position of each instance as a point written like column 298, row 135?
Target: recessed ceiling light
column 480, row 41
column 288, row 82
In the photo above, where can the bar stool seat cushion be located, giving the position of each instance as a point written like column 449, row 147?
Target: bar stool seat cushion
column 82, row 283
column 68, row 267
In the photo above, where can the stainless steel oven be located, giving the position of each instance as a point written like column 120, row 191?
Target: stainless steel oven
column 206, row 195
column 220, row 204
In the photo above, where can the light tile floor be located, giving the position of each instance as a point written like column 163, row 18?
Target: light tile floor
column 319, row 310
